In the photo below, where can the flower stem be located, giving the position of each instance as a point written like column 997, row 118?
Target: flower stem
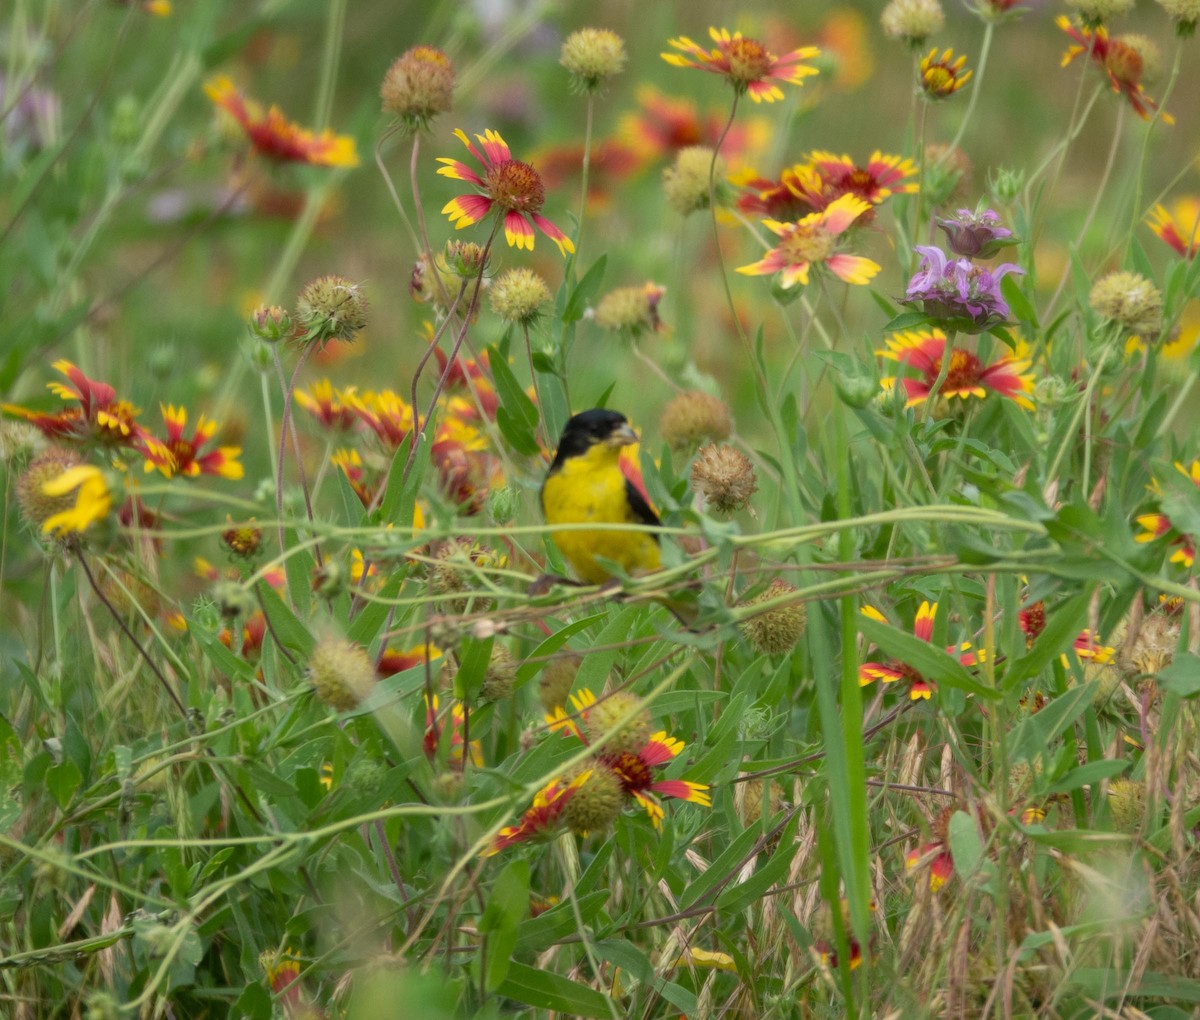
column 1139, row 176
column 286, row 426
column 976, row 88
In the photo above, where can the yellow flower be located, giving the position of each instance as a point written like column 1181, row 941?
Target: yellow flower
column 91, row 504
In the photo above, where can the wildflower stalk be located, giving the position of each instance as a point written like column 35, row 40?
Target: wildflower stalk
column 286, row 426
column 335, row 24
column 943, row 371
column 419, row 209
column 919, row 197
column 976, row 88
column 1084, row 404
column 585, row 170
column 391, row 186
column 1139, row 176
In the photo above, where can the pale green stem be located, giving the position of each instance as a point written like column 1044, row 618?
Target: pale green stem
column 1139, row 179
column 1083, row 405
column 976, row 88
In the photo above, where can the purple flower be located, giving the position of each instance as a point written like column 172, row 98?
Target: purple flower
column 976, row 234
column 960, row 294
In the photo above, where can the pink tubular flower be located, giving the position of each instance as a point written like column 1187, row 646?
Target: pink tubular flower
column 813, row 241
column 967, row 375
column 508, row 186
column 746, row 63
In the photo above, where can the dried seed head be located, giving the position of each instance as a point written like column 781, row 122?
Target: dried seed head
column 592, row 56
column 776, row 631
column 685, row 183
column 693, row 418
column 519, row 295
column 606, row 715
column 418, row 86
column 632, row 310
column 1127, row 803
column 341, row 673
column 500, row 675
column 330, row 308
column 724, row 478
column 912, row 21
column 594, row 806
column 1131, row 301
column 556, row 681
column 1096, row 12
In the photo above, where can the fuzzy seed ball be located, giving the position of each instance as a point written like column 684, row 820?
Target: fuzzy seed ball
column 19, row 440
column 454, row 581
column 606, row 715
column 1127, row 803
column 330, row 308
column 632, row 310
column 1096, row 12
column 556, row 681
column 777, row 630
column 1154, row 648
column 748, row 800
column 724, row 478
column 500, row 675
column 36, row 506
column 693, row 418
column 685, row 183
column 1149, row 57
column 1186, row 12
column 418, row 86
column 519, row 295
column 594, row 806
column 912, row 21
column 592, row 56
column 341, row 673
column 1130, row 300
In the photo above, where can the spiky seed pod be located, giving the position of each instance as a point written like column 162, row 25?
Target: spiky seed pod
column 500, row 675
column 418, row 86
column 632, row 310
column 695, row 417
column 1127, row 804
column 36, row 507
column 556, row 681
column 1130, row 300
column 594, row 806
column 1154, row 647
column 777, row 630
column 724, row 478
column 1096, row 12
column 454, row 577
column 685, row 182
column 592, row 56
column 912, row 21
column 606, row 715
column 330, row 308
column 519, row 295
column 341, row 673
column 1186, row 13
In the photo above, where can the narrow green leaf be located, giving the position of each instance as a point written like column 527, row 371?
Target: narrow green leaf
column 544, row 989
column 927, row 659
column 1062, row 628
column 585, row 290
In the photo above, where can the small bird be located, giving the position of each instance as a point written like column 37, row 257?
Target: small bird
column 585, row 484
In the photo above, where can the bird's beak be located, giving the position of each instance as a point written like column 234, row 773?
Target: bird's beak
column 623, row 436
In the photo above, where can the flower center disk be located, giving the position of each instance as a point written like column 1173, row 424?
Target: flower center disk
column 516, row 185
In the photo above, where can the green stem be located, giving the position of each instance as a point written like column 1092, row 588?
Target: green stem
column 1138, row 180
column 976, row 88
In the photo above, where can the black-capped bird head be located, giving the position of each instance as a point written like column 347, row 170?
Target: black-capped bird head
column 588, row 428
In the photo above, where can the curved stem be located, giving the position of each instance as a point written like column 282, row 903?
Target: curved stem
column 391, row 187
column 286, row 425
column 443, row 297
column 1159, row 112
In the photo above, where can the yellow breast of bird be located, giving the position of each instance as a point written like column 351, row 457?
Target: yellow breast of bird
column 589, row 488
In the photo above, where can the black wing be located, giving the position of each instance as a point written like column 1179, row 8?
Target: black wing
column 642, row 512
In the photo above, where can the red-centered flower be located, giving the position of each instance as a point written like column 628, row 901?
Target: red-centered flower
column 937, row 856
column 327, row 405
column 276, row 137
column 746, row 63
column 350, row 463
column 1179, row 228
column 813, row 241
column 775, row 199
column 635, row 768
column 97, row 415
column 512, row 188
column 1120, row 61
column 397, row 660
column 967, row 376
column 184, row 455
column 1155, row 526
column 254, row 630
column 919, row 687
column 665, row 124
column 1089, row 648
column 542, row 816
column 829, row 176
column 942, row 76
column 1032, row 619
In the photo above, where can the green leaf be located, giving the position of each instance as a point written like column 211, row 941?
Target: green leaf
column 585, row 290
column 475, row 655
column 512, row 397
column 506, row 908
column 927, row 659
column 907, row 320
column 965, row 845
column 284, row 625
column 62, row 781
column 1182, row 677
column 558, row 922
column 1033, row 736
column 544, row 989
column 1092, row 772
column 1017, row 301
column 740, row 895
column 719, row 872
column 533, row 664
column 375, row 613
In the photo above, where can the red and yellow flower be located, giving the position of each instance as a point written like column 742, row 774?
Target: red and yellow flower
column 1179, row 228
column 327, row 405
column 541, row 818
column 93, row 500
column 181, row 454
column 276, row 137
column 892, row 670
column 942, row 76
column 509, row 187
column 747, row 64
column 1120, row 61
column 777, row 199
column 434, row 727
column 1155, row 526
column 967, row 376
column 827, row 177
column 812, row 241
column 665, row 124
